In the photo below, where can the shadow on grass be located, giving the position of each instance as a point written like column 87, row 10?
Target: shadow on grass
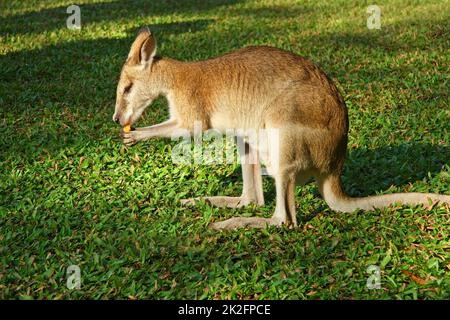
column 55, row 18
column 274, row 11
column 58, row 73
column 368, row 170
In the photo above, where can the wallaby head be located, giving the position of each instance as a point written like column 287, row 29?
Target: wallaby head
column 137, row 86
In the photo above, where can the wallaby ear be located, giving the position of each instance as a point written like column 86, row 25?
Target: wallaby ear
column 143, row 48
column 148, row 49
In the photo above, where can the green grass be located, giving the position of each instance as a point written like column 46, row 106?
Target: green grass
column 71, row 194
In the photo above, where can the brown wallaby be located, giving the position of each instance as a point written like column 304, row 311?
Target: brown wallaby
column 256, row 87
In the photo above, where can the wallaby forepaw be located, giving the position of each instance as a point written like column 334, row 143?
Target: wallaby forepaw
column 129, row 138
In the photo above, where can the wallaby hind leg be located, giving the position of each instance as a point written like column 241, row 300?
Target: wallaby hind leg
column 285, row 201
column 284, row 210
column 252, row 189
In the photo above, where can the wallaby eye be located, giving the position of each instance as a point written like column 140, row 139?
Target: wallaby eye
column 127, row 88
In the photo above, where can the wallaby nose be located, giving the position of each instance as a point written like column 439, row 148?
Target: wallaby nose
column 116, row 119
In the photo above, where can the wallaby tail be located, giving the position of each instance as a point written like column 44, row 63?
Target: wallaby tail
column 331, row 190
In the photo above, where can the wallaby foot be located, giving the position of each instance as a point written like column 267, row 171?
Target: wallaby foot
column 235, row 223
column 221, row 201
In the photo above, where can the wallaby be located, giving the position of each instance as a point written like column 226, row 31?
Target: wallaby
column 258, row 87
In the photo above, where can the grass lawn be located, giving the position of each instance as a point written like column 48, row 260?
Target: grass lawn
column 71, row 194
